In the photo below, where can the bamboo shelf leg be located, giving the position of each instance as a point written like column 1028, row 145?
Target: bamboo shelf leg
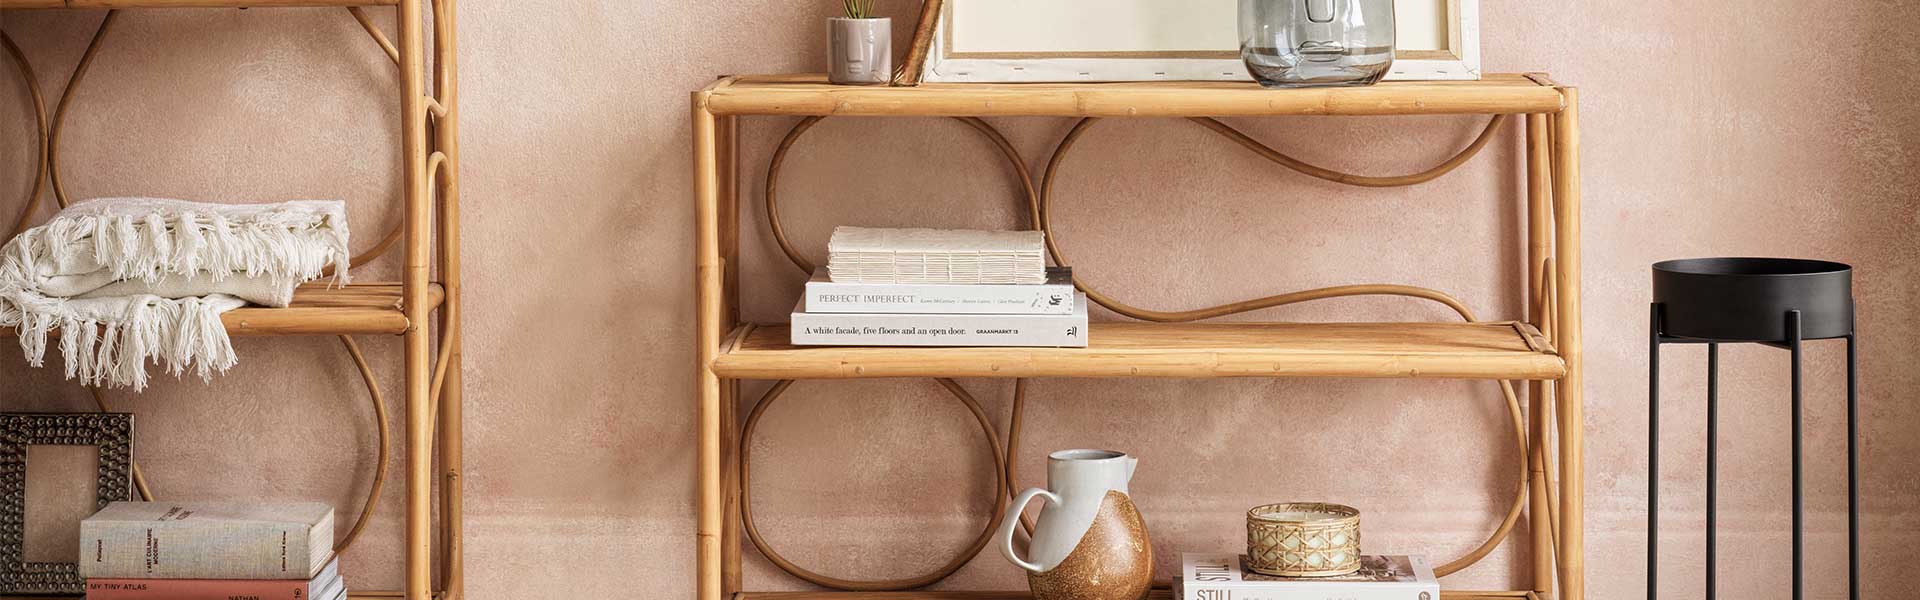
column 1539, row 247
column 447, row 141
column 727, row 154
column 709, row 268
column 419, row 342
column 1566, row 196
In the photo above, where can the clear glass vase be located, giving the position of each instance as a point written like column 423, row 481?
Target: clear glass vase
column 1306, row 43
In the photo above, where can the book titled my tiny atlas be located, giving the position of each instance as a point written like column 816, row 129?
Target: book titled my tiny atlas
column 206, row 540
column 321, row 587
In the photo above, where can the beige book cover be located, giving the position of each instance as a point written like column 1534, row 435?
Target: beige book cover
column 207, row 540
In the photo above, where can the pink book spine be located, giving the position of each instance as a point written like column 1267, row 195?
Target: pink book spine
column 195, row 589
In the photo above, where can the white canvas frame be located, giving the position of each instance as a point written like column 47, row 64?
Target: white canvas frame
column 1459, row 61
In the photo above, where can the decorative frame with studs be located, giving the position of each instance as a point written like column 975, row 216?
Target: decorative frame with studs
column 112, row 433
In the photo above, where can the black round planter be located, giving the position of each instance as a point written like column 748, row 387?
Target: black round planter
column 1745, row 299
column 1779, row 302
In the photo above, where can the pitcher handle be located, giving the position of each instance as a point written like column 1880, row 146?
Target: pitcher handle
column 1012, row 520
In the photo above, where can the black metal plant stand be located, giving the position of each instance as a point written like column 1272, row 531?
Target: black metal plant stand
column 1770, row 301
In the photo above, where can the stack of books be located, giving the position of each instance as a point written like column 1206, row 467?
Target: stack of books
column 210, row 550
column 959, row 256
column 924, row 287
column 1223, row 576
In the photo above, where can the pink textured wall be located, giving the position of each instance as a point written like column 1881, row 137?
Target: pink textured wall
column 1772, row 128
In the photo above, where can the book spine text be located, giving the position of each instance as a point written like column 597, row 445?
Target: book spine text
column 1052, row 299
column 227, row 550
column 195, row 589
column 939, row 330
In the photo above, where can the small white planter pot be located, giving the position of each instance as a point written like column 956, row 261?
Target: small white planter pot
column 860, row 51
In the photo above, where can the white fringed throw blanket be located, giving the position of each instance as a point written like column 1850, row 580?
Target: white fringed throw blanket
column 126, row 281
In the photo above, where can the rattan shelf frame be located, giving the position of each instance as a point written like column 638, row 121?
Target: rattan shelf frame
column 423, row 308
column 726, row 351
column 729, row 350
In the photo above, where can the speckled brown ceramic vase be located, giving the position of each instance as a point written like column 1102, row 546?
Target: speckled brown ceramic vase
column 1090, row 542
column 1114, row 561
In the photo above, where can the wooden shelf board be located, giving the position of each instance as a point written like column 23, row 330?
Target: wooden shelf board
column 357, row 309
column 190, row 3
column 1156, row 595
column 811, row 95
column 1503, row 350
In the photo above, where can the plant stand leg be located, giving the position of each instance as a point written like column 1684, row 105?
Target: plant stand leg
column 1799, row 501
column 1653, row 453
column 1853, row 463
column 1713, row 466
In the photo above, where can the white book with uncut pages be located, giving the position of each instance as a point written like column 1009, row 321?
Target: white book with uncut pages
column 868, row 255
column 1055, row 297
column 958, row 330
column 1223, row 576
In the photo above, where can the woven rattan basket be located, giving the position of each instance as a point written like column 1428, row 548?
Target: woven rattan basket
column 1303, row 539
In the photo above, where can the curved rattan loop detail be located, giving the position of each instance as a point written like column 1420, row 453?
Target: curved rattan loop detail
column 380, row 461
column 51, row 135
column 958, row 561
column 1038, row 210
column 66, row 100
column 771, row 192
column 139, row 478
column 793, row 254
column 1039, row 206
column 1305, row 168
column 381, row 422
column 40, row 116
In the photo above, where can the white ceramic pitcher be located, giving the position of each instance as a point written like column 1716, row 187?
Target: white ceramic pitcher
column 1090, row 541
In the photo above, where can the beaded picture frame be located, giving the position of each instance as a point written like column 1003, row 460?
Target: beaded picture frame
column 112, row 433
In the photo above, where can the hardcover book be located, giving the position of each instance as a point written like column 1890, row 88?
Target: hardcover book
column 319, row 588
column 1055, row 297
column 206, row 540
column 1224, row 576
column 1005, row 331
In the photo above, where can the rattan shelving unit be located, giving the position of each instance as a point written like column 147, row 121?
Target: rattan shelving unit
column 1544, row 350
column 429, row 238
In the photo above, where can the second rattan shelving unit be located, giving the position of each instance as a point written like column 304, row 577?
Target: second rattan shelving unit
column 1545, row 350
column 427, row 295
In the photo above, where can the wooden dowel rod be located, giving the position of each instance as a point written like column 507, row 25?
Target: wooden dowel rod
column 1539, row 244
column 415, row 276
column 446, row 133
column 727, row 150
column 709, row 274
column 1566, row 197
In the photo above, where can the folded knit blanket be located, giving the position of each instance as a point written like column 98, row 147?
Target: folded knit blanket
column 127, row 281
